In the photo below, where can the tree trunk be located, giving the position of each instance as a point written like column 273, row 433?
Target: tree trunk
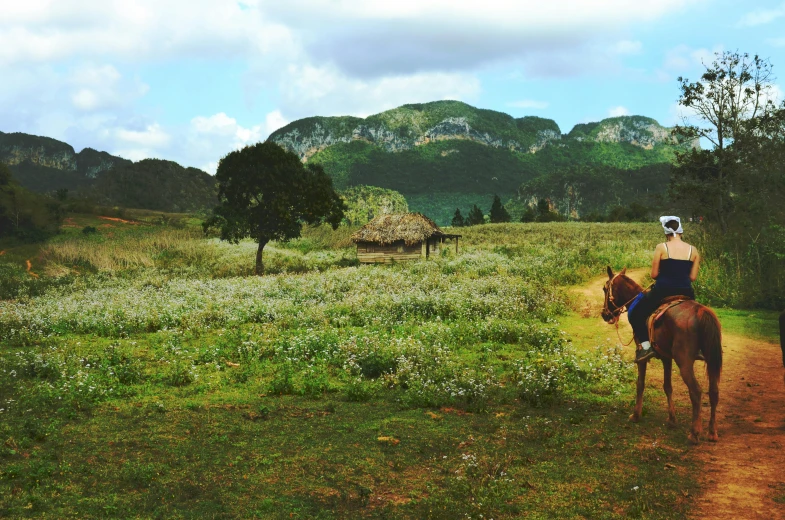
column 259, row 270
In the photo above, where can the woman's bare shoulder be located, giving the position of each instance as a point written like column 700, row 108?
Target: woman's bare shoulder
column 694, row 250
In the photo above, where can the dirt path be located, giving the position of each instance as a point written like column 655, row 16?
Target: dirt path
column 743, row 474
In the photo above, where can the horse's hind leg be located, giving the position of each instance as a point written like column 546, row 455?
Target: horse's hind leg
column 636, row 414
column 667, row 366
column 714, row 398
column 688, row 374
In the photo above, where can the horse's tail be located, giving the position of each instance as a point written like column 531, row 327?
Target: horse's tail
column 710, row 334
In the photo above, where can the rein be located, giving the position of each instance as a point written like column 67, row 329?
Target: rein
column 620, row 309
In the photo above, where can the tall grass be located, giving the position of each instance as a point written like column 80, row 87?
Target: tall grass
column 188, row 251
column 740, row 270
column 186, row 381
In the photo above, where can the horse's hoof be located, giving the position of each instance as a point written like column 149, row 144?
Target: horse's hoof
column 694, row 440
column 672, row 424
column 634, row 418
column 713, row 437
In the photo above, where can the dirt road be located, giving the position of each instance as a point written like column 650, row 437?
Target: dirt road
column 743, row 474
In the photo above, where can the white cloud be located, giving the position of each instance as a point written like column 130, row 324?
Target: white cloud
column 152, row 136
column 215, row 136
column 51, row 31
column 273, row 121
column 626, row 47
column 761, row 16
column 684, row 60
column 100, row 87
column 372, row 38
column 325, row 90
column 362, row 38
column 219, row 124
column 529, row 103
column 618, row 111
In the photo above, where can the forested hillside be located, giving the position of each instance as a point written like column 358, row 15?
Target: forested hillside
column 440, row 156
column 448, row 154
column 45, row 165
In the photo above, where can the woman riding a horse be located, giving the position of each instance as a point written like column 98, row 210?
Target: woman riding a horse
column 683, row 333
column 674, row 267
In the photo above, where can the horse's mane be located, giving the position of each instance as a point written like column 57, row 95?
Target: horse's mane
column 631, row 282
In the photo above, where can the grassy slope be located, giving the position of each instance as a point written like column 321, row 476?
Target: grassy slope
column 264, row 418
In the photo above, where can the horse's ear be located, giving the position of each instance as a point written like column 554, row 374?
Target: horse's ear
column 610, row 272
column 623, row 271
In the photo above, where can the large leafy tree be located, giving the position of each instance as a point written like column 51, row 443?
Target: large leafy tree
column 266, row 193
column 726, row 104
column 738, row 183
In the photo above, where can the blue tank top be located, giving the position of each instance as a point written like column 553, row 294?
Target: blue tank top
column 675, row 274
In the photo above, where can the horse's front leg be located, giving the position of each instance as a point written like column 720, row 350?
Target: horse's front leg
column 688, row 374
column 667, row 366
column 636, row 414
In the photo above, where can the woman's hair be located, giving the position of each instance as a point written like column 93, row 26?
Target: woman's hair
column 673, row 225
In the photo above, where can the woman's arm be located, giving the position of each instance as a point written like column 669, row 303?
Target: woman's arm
column 655, row 262
column 696, row 264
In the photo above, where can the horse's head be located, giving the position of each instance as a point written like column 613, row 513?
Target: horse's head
column 616, row 291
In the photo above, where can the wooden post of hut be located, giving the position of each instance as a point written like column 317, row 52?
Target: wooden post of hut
column 398, row 238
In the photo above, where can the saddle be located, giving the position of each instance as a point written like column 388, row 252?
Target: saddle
column 651, row 322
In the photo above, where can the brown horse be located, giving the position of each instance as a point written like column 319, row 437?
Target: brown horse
column 682, row 334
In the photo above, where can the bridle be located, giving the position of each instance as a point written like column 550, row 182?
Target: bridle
column 610, row 300
column 618, row 309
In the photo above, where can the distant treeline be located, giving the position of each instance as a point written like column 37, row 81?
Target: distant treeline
column 152, row 184
column 23, row 214
column 543, row 211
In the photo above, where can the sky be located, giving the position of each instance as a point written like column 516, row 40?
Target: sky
column 192, row 80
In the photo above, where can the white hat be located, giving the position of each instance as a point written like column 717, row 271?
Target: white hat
column 669, row 231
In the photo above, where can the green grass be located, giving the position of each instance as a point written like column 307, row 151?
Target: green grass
column 439, row 389
column 759, row 323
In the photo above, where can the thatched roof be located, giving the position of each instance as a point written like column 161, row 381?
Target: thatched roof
column 409, row 227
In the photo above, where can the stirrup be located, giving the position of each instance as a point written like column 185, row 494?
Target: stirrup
column 643, row 356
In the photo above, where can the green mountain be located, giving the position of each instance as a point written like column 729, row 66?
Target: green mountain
column 155, row 184
column 44, row 165
column 448, row 154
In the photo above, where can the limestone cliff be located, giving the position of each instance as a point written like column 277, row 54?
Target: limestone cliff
column 44, row 165
column 25, row 152
column 410, row 126
column 644, row 132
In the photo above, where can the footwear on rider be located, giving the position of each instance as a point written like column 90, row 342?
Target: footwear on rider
column 644, row 353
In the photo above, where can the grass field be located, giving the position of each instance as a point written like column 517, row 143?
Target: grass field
column 146, row 375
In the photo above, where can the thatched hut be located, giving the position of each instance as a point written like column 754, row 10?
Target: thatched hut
column 399, row 237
